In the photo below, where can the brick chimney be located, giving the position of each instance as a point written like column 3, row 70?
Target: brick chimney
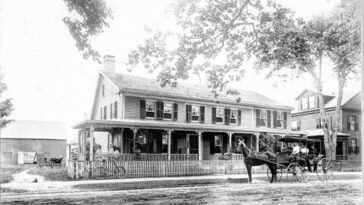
column 109, row 63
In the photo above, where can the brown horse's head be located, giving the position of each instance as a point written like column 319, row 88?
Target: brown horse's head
column 241, row 145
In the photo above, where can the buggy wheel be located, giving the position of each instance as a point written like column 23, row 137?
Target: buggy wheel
column 120, row 172
column 279, row 174
column 324, row 169
column 295, row 172
column 99, row 173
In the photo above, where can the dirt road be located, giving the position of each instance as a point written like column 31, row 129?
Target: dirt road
column 261, row 192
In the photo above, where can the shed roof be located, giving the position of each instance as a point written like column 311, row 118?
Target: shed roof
column 23, row 129
column 347, row 96
column 129, row 83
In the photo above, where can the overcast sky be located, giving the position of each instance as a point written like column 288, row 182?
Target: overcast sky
column 49, row 80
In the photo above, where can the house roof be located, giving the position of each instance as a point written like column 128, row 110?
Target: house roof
column 22, row 129
column 129, row 83
column 347, row 96
column 307, row 90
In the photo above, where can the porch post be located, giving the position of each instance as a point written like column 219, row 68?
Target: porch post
column 169, row 133
column 79, row 142
column 251, row 142
column 257, row 138
column 200, row 145
column 91, row 143
column 83, row 139
column 230, row 141
column 122, row 141
column 135, row 130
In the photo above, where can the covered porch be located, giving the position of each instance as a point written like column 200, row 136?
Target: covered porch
column 135, row 140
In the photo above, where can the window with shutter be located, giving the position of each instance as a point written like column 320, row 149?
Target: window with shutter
column 227, row 116
column 284, row 120
column 195, row 113
column 263, row 118
column 352, row 123
column 304, row 103
column 213, row 114
column 142, row 109
column 160, row 110
column 202, row 114
column 175, row 111
column 105, row 112
column 275, row 119
column 239, row 117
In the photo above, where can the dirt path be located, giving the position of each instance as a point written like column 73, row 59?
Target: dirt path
column 314, row 192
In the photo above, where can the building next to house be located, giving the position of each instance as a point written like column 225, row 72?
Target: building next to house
column 175, row 123
column 20, row 140
column 307, row 118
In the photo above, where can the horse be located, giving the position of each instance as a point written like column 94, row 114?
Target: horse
column 251, row 158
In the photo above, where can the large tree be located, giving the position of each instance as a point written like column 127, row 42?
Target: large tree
column 6, row 105
column 301, row 46
column 87, row 19
column 211, row 38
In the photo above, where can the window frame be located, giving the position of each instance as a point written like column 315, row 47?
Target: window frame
column 280, row 119
column 223, row 115
column 312, row 97
column 263, row 113
column 220, row 145
column 236, row 116
column 171, row 110
column 198, row 113
column 154, row 108
column 352, row 122
column 304, row 101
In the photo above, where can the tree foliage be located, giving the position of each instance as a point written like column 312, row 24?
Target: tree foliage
column 267, row 142
column 88, row 19
column 6, row 106
column 212, row 38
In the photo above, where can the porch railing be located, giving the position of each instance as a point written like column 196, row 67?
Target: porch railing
column 147, row 157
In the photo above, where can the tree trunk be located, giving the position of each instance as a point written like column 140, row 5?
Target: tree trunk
column 337, row 117
column 330, row 152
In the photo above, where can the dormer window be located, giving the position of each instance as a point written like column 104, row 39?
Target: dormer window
column 150, row 108
column 311, row 102
column 304, row 103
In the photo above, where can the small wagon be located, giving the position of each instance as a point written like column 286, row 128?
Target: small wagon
column 295, row 167
column 41, row 160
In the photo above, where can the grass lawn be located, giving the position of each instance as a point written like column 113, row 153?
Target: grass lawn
column 6, row 172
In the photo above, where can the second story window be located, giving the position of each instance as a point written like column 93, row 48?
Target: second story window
column 304, row 102
column 195, row 113
column 233, row 116
column 296, row 125
column 220, row 115
column 167, row 110
column 263, row 118
column 352, row 123
column 279, row 119
column 311, row 102
column 150, row 108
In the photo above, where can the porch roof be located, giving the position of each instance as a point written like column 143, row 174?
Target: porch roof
column 146, row 124
column 320, row 132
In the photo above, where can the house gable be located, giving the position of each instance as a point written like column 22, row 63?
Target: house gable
column 354, row 103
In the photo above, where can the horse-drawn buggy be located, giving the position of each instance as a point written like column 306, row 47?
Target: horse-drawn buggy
column 294, row 161
column 298, row 157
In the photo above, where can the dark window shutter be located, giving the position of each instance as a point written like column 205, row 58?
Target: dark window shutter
column 202, row 114
column 105, row 112
column 100, row 113
column 116, row 110
column 269, row 118
column 348, row 123
column 111, row 111
column 160, row 105
column 175, row 111
column 356, row 126
column 239, row 117
column 284, row 120
column 275, row 119
column 188, row 113
column 142, row 109
column 227, row 116
column 257, row 115
column 213, row 114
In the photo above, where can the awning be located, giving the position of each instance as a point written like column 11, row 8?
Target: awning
column 320, row 132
